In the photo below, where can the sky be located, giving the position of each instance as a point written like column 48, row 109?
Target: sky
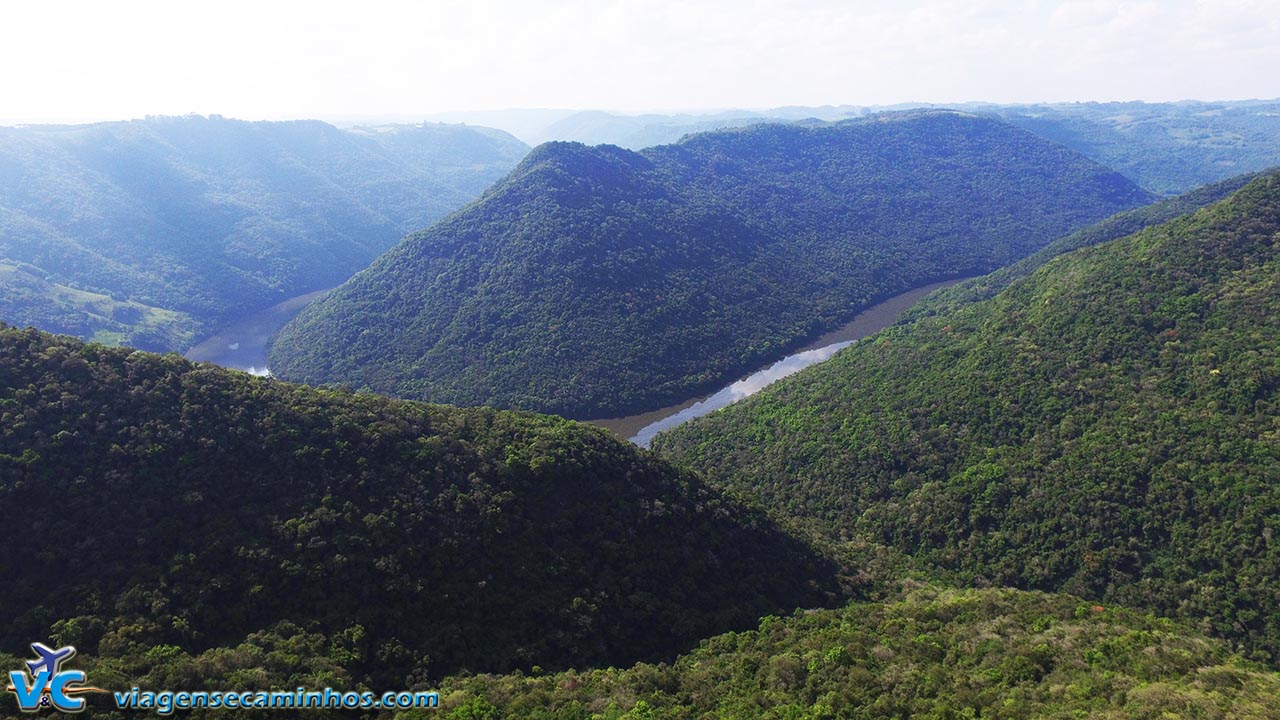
column 63, row 61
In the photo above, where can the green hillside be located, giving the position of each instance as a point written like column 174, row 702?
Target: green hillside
column 925, row 652
column 206, row 219
column 1107, row 426
column 1115, row 227
column 159, row 503
column 598, row 281
column 930, row 653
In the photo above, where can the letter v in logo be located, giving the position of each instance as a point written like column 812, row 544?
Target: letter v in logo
column 28, row 695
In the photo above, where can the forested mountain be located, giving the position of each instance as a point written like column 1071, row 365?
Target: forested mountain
column 1108, row 425
column 597, row 281
column 929, row 653
column 155, row 231
column 156, row 503
column 1167, row 148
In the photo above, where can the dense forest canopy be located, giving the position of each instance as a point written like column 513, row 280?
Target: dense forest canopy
column 155, row 232
column 598, row 281
column 159, row 502
column 925, row 653
column 1107, row 425
column 1113, row 228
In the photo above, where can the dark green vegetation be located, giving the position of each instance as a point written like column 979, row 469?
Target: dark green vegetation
column 596, row 281
column 155, row 232
column 1164, row 147
column 1115, row 227
column 925, row 652
column 929, row 653
column 1108, row 425
column 153, row 502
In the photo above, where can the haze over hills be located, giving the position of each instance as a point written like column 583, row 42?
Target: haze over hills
column 597, row 281
column 197, row 508
column 1166, row 148
column 1107, row 425
column 155, row 232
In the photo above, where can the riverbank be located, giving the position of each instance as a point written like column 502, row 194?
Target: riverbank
column 641, row 428
column 243, row 345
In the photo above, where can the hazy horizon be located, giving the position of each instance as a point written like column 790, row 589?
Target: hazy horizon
column 75, row 61
column 467, row 116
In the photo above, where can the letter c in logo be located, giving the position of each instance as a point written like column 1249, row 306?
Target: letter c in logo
column 58, row 691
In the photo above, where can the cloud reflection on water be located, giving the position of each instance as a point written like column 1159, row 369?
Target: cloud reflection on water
column 745, row 387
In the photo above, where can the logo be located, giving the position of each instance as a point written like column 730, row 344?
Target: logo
column 46, row 684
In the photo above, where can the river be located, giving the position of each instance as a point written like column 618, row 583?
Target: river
column 641, row 429
column 243, row 345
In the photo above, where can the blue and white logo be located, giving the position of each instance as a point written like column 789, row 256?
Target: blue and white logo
column 45, row 684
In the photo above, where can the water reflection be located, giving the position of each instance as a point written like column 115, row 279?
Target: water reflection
column 868, row 322
column 749, row 385
column 243, row 344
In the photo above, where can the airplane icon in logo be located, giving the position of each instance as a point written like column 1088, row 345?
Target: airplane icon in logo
column 49, row 684
column 50, row 659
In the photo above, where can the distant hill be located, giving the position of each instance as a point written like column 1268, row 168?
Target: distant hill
column 636, row 132
column 157, row 231
column 160, row 507
column 597, row 281
column 631, row 130
column 1108, row 425
column 929, row 653
column 1167, row 148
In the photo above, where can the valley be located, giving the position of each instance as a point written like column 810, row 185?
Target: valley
column 642, row 428
column 641, row 361
column 1104, row 426
column 243, row 344
column 182, row 225
column 595, row 282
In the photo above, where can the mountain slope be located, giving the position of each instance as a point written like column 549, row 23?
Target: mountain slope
column 598, row 281
column 160, row 502
column 930, row 653
column 1108, row 425
column 205, row 219
column 1115, row 227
